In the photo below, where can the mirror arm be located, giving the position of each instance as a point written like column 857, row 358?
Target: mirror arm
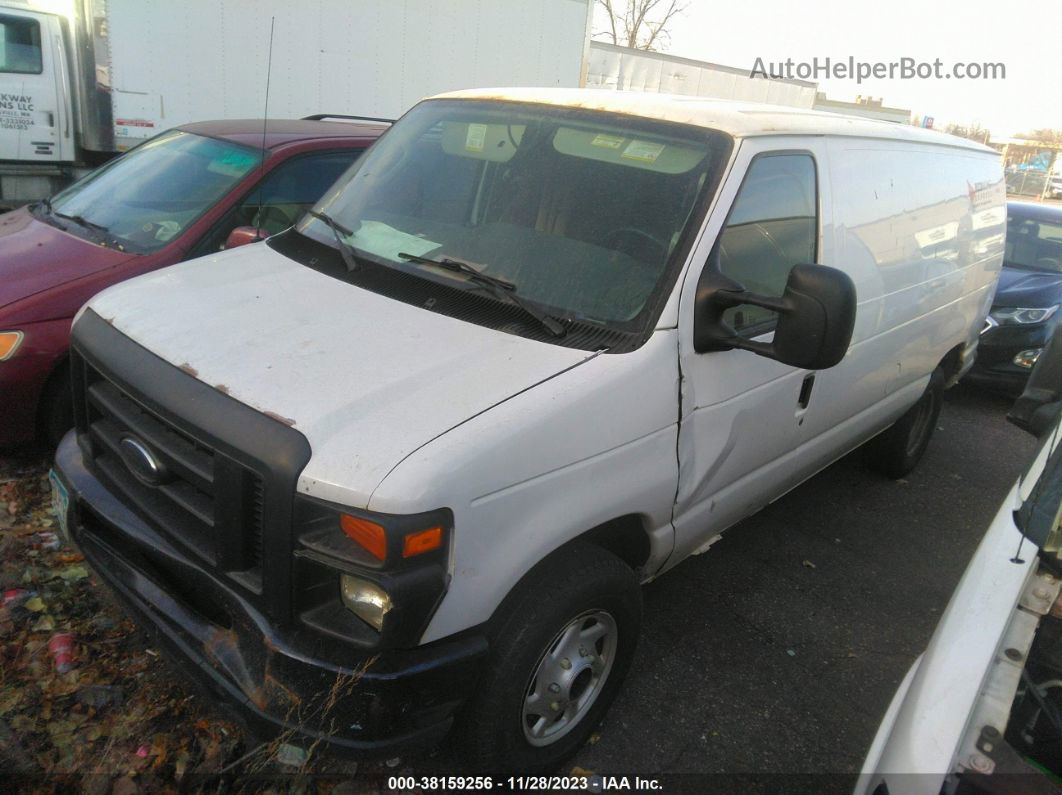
column 717, row 335
column 762, row 348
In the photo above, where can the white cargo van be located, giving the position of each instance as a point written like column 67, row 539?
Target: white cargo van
column 406, row 464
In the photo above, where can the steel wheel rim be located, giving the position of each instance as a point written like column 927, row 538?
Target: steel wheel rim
column 569, row 677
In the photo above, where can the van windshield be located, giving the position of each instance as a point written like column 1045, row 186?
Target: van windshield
column 580, row 211
column 150, row 195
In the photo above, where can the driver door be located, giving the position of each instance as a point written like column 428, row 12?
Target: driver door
column 740, row 412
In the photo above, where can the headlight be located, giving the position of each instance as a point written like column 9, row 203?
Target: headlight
column 367, row 600
column 1005, row 316
column 9, row 342
column 374, row 579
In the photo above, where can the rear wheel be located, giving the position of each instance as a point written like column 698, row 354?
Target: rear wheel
column 560, row 649
column 896, row 451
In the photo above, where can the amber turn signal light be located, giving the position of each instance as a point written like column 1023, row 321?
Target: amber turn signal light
column 368, row 534
column 422, row 541
column 9, row 342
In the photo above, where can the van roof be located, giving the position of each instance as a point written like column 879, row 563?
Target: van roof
column 739, row 119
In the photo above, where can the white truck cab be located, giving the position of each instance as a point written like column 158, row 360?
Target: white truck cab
column 35, row 107
column 535, row 347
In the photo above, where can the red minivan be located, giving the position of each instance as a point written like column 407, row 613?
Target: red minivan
column 177, row 196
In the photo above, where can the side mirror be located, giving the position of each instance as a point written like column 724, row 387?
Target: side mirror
column 816, row 316
column 1040, row 405
column 242, row 235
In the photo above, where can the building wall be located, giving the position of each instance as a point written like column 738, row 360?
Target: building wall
column 625, row 69
column 867, row 108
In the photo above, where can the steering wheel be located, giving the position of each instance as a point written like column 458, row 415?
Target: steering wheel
column 1053, row 263
column 615, row 238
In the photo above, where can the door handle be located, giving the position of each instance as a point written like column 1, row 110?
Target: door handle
column 805, row 391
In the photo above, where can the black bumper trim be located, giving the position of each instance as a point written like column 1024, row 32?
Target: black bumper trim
column 386, row 703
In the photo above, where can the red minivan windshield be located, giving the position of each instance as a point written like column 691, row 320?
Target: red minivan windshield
column 149, row 196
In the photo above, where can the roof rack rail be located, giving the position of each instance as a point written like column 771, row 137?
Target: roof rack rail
column 323, row 116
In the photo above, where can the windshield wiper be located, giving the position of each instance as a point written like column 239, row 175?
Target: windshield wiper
column 500, row 288
column 102, row 232
column 346, row 251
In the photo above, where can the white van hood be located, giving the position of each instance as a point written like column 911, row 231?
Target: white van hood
column 367, row 379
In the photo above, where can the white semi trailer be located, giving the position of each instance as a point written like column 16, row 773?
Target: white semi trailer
column 624, row 69
column 81, row 80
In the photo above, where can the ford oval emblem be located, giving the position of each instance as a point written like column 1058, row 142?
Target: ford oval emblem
column 142, row 462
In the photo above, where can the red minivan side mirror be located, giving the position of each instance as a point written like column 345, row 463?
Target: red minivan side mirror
column 242, row 235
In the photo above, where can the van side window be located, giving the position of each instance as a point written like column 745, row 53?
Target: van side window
column 20, row 45
column 772, row 227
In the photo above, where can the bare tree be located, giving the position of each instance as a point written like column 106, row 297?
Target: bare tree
column 1046, row 136
column 975, row 132
column 641, row 24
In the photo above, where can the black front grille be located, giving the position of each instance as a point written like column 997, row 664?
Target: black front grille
column 226, row 495
column 209, row 504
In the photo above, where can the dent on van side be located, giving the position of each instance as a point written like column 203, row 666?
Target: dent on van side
column 535, row 347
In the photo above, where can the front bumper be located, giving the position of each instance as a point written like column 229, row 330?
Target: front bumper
column 269, row 679
column 995, row 368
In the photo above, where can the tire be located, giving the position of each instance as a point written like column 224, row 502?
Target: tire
column 579, row 588
column 897, row 451
column 56, row 410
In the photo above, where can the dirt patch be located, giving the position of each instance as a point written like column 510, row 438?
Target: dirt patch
column 87, row 704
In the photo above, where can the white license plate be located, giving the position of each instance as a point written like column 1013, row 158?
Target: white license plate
column 60, row 503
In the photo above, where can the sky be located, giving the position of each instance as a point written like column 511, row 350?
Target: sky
column 1023, row 36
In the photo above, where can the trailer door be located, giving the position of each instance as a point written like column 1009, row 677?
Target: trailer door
column 30, row 71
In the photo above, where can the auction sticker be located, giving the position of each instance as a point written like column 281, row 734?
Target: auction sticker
column 476, row 138
column 643, row 150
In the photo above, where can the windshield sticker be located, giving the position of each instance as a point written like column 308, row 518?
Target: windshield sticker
column 476, row 137
column 608, row 141
column 233, row 162
column 643, row 150
column 383, row 240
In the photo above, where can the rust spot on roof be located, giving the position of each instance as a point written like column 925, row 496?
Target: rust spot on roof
column 190, row 370
column 221, row 388
column 278, row 418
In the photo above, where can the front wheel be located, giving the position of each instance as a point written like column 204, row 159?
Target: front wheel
column 896, row 451
column 560, row 649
